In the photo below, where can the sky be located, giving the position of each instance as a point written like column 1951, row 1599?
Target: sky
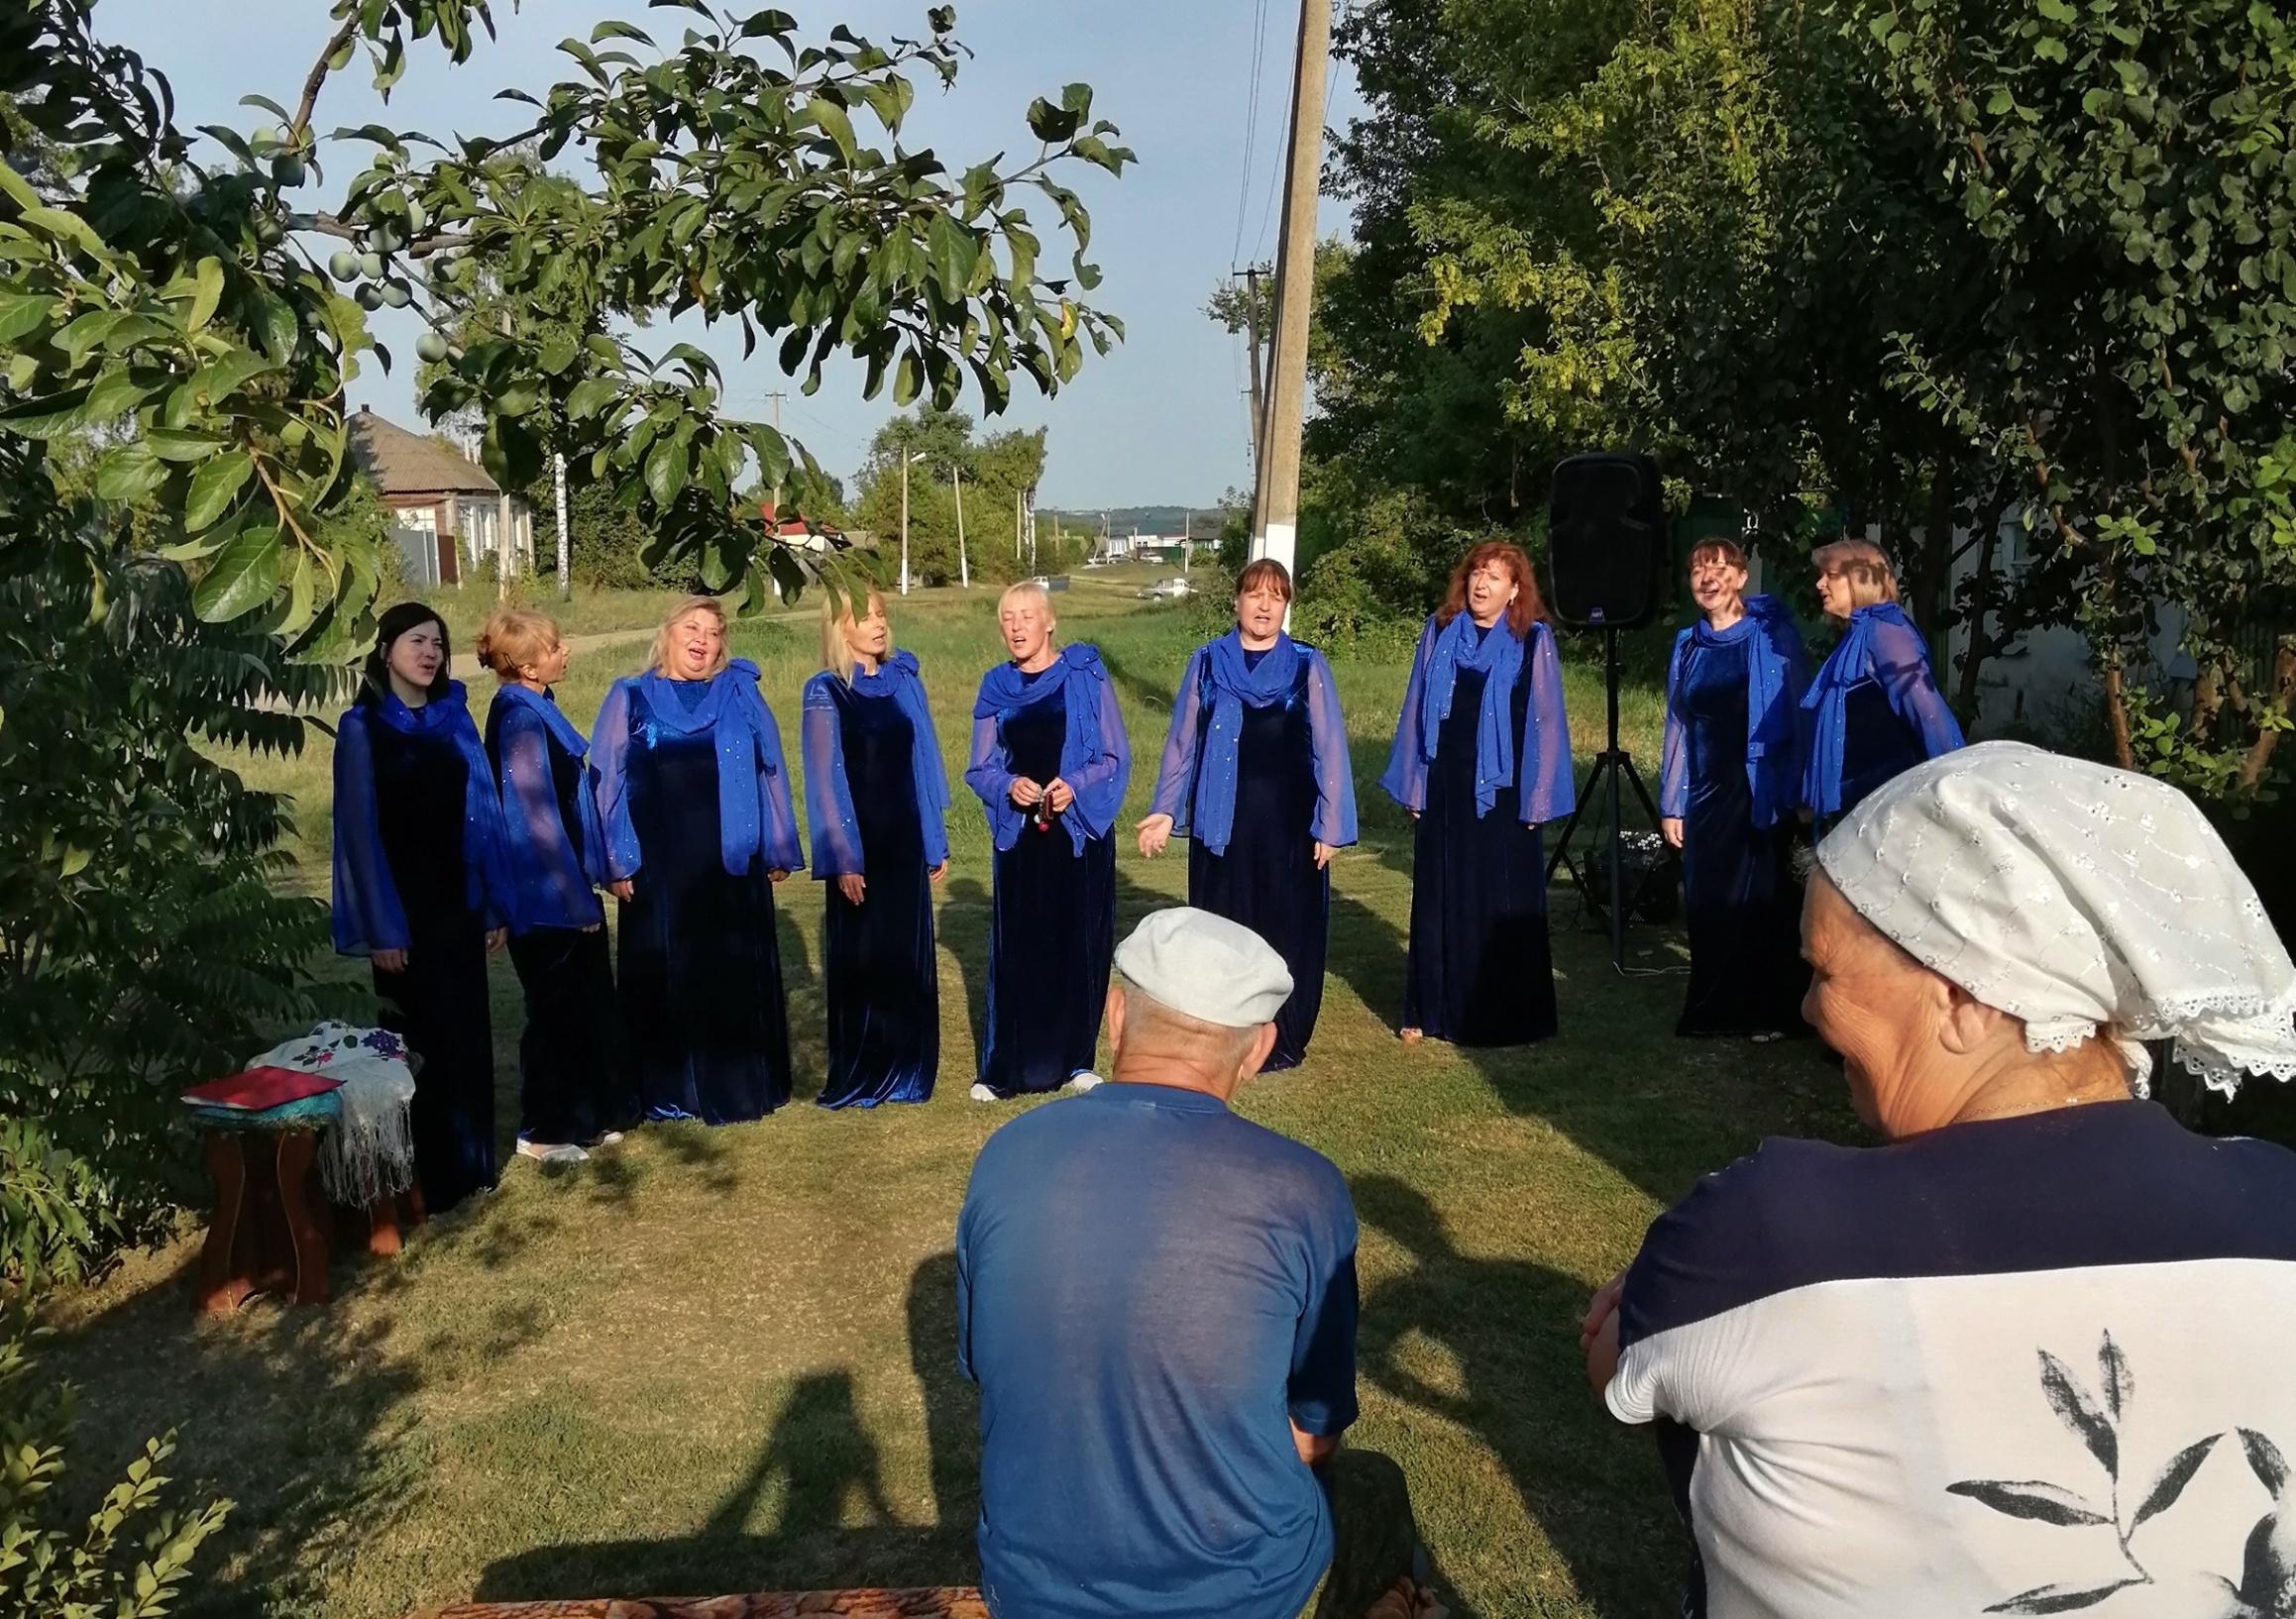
column 1161, row 421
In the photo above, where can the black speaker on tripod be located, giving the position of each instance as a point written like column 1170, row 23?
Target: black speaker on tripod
column 1605, row 547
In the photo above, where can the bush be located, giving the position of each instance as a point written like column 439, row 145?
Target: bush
column 47, row 1197
column 100, row 1569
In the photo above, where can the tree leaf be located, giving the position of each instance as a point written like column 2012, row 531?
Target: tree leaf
column 127, row 473
column 2173, row 1477
column 2265, row 1461
column 2062, row 1598
column 214, row 486
column 2113, row 1372
column 21, row 314
column 2031, row 1498
column 2073, row 1406
column 206, row 293
column 665, row 472
column 835, row 123
column 242, row 576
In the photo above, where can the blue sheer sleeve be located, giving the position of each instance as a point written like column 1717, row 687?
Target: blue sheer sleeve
column 828, row 794
column 546, row 886
column 1549, row 786
column 1175, row 793
column 1902, row 665
column 1335, row 775
column 610, row 748
column 992, row 782
column 1406, row 779
column 776, row 842
column 1100, row 785
column 367, row 914
column 1674, row 770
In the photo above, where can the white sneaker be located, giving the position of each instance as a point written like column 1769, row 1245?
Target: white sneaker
column 613, row 1138
column 1082, row 1082
column 981, row 1093
column 563, row 1156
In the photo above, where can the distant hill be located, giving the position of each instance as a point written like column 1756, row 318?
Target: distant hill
column 1141, row 520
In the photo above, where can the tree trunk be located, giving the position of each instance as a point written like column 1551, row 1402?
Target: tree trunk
column 1973, row 656
column 1932, row 590
column 2259, row 754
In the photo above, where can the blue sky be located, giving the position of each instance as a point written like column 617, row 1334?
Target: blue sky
column 1161, row 420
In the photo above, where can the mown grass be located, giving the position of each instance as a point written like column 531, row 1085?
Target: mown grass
column 721, row 1359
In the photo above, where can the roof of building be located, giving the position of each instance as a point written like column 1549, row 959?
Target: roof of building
column 405, row 462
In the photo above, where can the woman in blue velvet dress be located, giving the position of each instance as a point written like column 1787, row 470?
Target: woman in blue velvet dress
column 877, row 796
column 1874, row 710
column 1727, row 794
column 419, row 889
column 572, row 1086
column 1256, row 771
column 1050, row 761
column 1482, row 758
column 695, row 798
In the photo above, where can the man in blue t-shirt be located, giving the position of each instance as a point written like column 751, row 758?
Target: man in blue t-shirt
column 1157, row 1299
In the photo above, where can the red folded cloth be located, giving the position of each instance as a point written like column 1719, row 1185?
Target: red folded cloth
column 254, row 1090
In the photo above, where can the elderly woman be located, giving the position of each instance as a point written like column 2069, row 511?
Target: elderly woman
column 1255, row 765
column 1482, row 758
column 877, row 796
column 419, row 888
column 1891, row 1381
column 1727, row 790
column 1874, row 709
column 1050, row 761
column 570, row 1087
column 695, row 800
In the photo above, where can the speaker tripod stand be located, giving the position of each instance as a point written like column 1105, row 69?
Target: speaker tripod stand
column 1613, row 769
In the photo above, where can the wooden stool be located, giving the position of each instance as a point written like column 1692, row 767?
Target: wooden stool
column 263, row 1239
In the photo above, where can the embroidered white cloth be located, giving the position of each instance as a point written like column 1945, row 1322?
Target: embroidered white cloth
column 372, row 1154
column 2079, row 898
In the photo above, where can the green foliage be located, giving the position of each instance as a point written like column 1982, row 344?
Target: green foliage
column 997, row 472
column 44, row 1197
column 130, row 1558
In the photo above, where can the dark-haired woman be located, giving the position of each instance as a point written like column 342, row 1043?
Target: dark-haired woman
column 572, row 1092
column 1727, row 794
column 1482, row 758
column 1256, row 771
column 419, row 889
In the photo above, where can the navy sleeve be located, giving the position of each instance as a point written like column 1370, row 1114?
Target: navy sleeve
column 1322, row 1388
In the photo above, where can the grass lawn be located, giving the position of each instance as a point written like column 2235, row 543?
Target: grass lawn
column 720, row 1361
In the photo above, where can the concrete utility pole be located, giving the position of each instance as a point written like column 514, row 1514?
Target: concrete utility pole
column 506, row 551
column 558, row 486
column 1259, row 384
column 1187, row 540
column 964, row 573
column 906, row 457
column 1275, row 499
column 1015, row 525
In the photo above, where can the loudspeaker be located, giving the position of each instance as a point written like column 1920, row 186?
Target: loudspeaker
column 1605, row 539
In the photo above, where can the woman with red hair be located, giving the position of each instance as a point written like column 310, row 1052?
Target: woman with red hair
column 1482, row 758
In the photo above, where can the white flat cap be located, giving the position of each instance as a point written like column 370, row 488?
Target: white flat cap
column 1205, row 966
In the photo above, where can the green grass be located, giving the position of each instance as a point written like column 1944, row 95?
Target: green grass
column 721, row 1360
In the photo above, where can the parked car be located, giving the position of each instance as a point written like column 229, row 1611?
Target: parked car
column 1167, row 589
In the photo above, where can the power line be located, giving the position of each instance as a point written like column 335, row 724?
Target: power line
column 1250, row 125
column 1331, row 81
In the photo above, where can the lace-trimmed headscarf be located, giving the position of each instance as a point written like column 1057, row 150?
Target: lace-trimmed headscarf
column 2079, row 898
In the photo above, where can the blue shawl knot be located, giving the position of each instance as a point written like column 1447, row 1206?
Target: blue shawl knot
column 1079, row 674
column 898, row 678
column 1772, row 699
column 749, row 754
column 1498, row 655
column 367, row 921
column 1230, row 685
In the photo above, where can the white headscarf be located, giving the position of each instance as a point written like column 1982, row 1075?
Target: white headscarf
column 2079, row 898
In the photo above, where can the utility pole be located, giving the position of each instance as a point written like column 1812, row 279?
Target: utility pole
column 906, row 457
column 964, row 573
column 1275, row 499
column 558, row 486
column 1187, row 540
column 504, row 549
column 1258, row 386
column 1015, row 525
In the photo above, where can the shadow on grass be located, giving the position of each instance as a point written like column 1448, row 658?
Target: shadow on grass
column 1594, row 1490
column 964, row 921
column 818, row 1482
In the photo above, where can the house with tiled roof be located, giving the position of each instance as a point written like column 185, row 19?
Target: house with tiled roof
column 447, row 512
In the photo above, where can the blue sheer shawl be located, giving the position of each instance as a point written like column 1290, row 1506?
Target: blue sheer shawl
column 755, row 819
column 1095, row 755
column 1538, row 762
column 1882, row 645
column 367, row 914
column 552, row 884
column 1208, row 718
column 829, row 795
column 1777, row 671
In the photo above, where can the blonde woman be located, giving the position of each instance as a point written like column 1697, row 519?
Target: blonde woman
column 571, row 1083
column 1874, row 709
column 1050, row 761
column 695, row 801
column 877, row 796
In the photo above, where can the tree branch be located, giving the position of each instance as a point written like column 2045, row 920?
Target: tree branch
column 317, row 77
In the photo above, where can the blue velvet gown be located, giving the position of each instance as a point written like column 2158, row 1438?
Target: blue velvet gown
column 1266, row 879
column 573, row 1074
column 1742, row 905
column 1891, row 715
column 1877, row 748
column 1053, row 931
column 1480, row 970
column 883, row 980
column 439, row 1003
column 700, row 968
